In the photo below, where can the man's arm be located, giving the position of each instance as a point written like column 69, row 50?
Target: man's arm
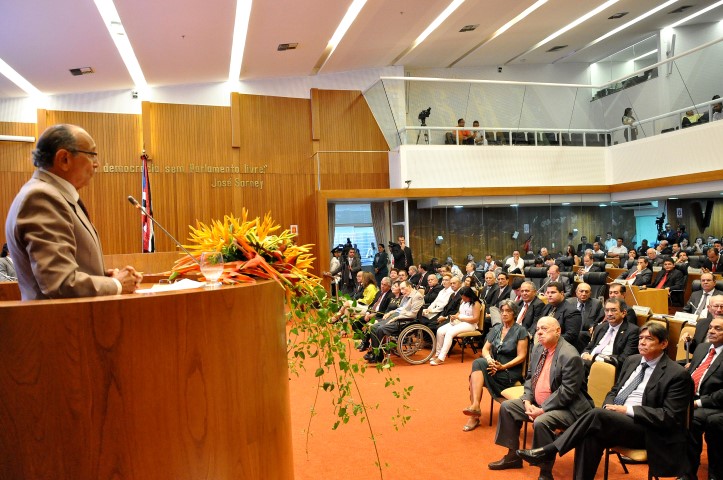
column 572, row 323
column 677, row 386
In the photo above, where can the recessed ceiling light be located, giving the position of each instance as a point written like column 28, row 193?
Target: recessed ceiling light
column 458, row 206
column 672, row 198
column 602, row 205
column 565, row 204
column 617, row 15
column 514, row 204
column 468, row 28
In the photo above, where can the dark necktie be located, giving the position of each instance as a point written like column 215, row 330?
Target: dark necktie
column 662, row 281
column 698, row 373
column 538, row 369
column 625, row 393
column 85, row 210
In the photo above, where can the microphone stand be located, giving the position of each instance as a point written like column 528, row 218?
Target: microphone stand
column 135, row 203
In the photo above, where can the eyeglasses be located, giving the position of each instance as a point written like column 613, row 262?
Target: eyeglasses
column 92, row 154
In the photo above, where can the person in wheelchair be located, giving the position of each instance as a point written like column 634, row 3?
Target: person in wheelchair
column 392, row 322
column 364, row 296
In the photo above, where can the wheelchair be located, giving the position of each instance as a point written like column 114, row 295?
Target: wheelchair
column 415, row 343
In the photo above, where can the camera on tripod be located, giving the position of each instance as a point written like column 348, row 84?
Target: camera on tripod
column 423, row 115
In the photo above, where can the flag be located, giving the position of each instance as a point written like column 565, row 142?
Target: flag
column 149, row 244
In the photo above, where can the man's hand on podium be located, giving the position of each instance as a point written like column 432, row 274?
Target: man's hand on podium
column 128, row 277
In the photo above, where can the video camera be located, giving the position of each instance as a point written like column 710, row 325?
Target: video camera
column 660, row 222
column 395, row 248
column 423, row 115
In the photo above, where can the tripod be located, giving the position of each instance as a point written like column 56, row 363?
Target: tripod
column 426, row 135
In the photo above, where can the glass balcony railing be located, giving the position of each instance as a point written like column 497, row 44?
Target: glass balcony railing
column 534, row 113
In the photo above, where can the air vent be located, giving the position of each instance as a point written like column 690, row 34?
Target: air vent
column 287, row 46
column 81, row 71
column 681, row 9
column 468, row 28
column 558, row 47
column 617, row 15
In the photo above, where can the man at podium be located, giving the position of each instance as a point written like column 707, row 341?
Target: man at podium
column 55, row 248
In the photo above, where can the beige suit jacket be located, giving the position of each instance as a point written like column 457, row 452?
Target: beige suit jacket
column 55, row 248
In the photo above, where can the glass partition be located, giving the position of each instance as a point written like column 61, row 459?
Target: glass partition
column 520, row 113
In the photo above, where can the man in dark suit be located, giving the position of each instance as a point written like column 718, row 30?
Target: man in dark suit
column 714, row 439
column 645, row 409
column 669, row 278
column 503, row 289
column 531, row 307
column 451, row 308
column 616, row 290
column 713, row 261
column 402, row 254
column 640, row 275
column 54, row 246
column 706, row 368
column 591, row 311
column 430, row 293
column 553, row 275
column 380, row 264
column 565, row 313
column 489, row 289
column 375, row 312
column 613, row 340
column 698, row 301
column 715, row 309
column 587, row 265
column 555, row 396
column 583, row 245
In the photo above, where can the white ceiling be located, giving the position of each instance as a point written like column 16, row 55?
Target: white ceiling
column 189, row 41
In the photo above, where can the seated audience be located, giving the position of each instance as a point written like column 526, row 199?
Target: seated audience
column 570, row 252
column 554, row 397
column 682, row 259
column 713, row 261
column 699, row 300
column 470, row 273
column 591, row 311
column 449, row 309
column 654, row 260
column 463, row 137
column 631, row 261
column 479, row 138
column 376, row 310
column 435, row 308
column 553, row 275
column 598, row 252
column 640, row 275
column 500, row 366
column 619, row 250
column 714, row 309
column 583, row 245
column 669, row 278
column 616, row 290
column 567, row 316
column 392, row 322
column 488, row 291
column 414, row 275
column 707, row 374
column 359, row 303
column 465, row 320
column 531, row 306
column 515, row 264
column 645, row 409
column 697, row 247
column 587, row 266
column 690, row 118
column 432, row 291
column 504, row 289
column 614, row 339
column 643, row 248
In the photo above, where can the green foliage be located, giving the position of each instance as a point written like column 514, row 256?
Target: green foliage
column 315, row 336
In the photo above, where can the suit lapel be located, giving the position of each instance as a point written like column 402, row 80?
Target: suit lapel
column 654, row 379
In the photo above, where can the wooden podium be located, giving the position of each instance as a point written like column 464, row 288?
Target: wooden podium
column 172, row 386
column 655, row 298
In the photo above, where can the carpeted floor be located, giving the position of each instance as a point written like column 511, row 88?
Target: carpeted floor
column 432, row 444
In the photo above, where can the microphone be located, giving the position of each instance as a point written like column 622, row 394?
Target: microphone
column 135, row 203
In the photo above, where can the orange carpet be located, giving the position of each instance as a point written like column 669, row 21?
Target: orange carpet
column 432, row 444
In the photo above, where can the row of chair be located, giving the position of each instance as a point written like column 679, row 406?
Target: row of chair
column 549, row 138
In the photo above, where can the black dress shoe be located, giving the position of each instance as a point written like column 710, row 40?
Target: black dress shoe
column 364, row 346
column 535, row 456
column 545, row 476
column 505, row 463
column 369, row 355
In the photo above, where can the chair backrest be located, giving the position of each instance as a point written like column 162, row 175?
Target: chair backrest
column 695, row 261
column 600, row 265
column 600, row 381
column 680, row 352
column 565, row 263
column 597, row 282
column 694, row 286
column 643, row 318
column 536, row 275
column 481, row 323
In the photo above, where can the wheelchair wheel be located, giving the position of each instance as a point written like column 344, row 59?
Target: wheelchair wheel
column 416, row 344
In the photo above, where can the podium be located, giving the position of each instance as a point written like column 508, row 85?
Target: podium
column 189, row 385
column 656, row 299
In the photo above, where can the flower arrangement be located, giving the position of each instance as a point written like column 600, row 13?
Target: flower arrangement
column 252, row 249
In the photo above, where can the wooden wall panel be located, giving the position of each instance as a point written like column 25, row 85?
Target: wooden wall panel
column 693, row 215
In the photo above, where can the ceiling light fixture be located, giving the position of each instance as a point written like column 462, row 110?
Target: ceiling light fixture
column 341, row 30
column 566, row 28
column 644, row 55
column 620, row 28
column 432, row 27
column 112, row 22
column 503, row 28
column 240, row 29
column 10, row 73
column 696, row 14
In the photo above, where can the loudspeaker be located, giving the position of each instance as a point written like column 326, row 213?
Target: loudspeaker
column 438, row 240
